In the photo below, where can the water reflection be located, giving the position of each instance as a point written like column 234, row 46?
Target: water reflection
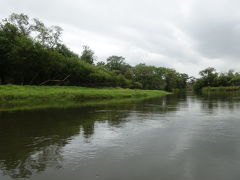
column 213, row 103
column 33, row 141
column 178, row 137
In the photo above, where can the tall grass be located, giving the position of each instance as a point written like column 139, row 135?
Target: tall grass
column 221, row 89
column 15, row 97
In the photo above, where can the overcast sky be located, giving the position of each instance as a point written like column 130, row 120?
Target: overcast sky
column 187, row 35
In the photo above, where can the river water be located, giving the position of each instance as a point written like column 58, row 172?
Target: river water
column 178, row 137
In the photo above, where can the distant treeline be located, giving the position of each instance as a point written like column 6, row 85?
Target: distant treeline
column 211, row 78
column 33, row 54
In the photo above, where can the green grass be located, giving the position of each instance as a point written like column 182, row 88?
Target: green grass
column 14, row 97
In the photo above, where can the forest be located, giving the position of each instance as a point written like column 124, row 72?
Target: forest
column 33, row 54
column 209, row 77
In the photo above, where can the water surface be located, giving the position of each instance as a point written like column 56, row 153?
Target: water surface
column 178, row 137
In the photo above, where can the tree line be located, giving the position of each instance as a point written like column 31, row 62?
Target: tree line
column 33, row 54
column 209, row 77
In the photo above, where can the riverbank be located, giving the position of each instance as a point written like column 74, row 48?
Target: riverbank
column 221, row 89
column 15, row 97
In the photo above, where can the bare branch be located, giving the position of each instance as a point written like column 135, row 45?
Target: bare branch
column 55, row 80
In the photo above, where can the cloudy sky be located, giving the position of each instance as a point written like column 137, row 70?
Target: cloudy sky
column 187, row 35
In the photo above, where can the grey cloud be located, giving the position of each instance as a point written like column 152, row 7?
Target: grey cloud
column 215, row 27
column 188, row 35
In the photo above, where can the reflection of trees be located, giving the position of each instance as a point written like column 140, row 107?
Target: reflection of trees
column 161, row 105
column 32, row 141
column 34, row 163
column 218, row 101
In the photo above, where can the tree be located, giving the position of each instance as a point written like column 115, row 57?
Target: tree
column 101, row 64
column 8, row 35
column 208, row 75
column 171, row 78
column 49, row 37
column 31, row 53
column 87, row 55
column 117, row 63
column 21, row 21
column 182, row 80
column 235, row 81
column 149, row 76
column 62, row 49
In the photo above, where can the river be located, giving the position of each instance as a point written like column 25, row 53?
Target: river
column 177, row 137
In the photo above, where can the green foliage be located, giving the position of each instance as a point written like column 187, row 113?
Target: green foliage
column 21, row 21
column 62, row 49
column 32, row 54
column 148, row 77
column 152, row 77
column 136, row 85
column 87, row 55
column 210, row 78
column 220, row 90
column 117, row 63
column 48, row 37
column 199, row 84
column 101, row 64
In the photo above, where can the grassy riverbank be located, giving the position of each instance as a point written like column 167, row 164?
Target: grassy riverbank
column 221, row 89
column 14, row 97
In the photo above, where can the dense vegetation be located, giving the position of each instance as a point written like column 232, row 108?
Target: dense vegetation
column 221, row 90
column 33, row 54
column 211, row 78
